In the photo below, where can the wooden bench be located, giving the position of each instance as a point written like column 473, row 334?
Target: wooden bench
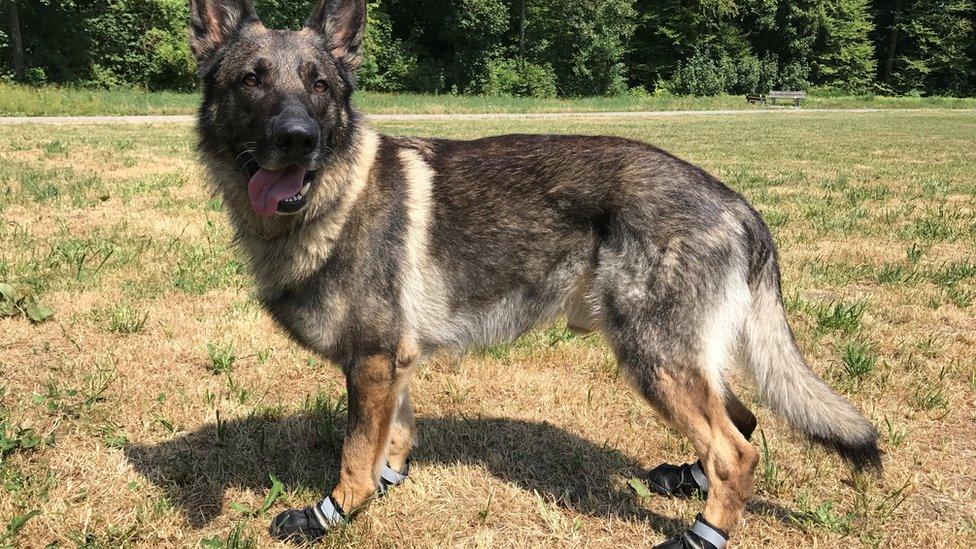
column 775, row 95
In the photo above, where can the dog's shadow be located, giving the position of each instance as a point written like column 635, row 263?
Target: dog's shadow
column 196, row 468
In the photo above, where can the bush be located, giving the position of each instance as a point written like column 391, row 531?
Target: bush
column 510, row 77
column 170, row 63
column 794, row 76
column 700, row 75
column 749, row 74
column 710, row 74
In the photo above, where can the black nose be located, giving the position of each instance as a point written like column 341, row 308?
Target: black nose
column 296, row 136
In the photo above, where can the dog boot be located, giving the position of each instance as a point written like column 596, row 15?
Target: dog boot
column 309, row 524
column 701, row 535
column 680, row 481
column 312, row 523
column 390, row 478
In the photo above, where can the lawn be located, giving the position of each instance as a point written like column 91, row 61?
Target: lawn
column 17, row 100
column 156, row 405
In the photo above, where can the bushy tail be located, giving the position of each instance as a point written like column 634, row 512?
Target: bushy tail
column 788, row 385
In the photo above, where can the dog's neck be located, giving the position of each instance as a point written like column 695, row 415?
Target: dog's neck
column 285, row 249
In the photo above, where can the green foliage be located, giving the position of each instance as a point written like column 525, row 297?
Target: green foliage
column 13, row 304
column 571, row 48
column 933, row 46
column 510, row 77
column 584, row 42
column 391, row 64
column 846, row 60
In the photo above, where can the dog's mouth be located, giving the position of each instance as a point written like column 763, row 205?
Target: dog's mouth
column 281, row 191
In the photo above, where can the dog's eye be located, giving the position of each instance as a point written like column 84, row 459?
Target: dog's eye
column 320, row 86
column 250, row 79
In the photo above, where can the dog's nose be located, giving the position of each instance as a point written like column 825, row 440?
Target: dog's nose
column 297, row 137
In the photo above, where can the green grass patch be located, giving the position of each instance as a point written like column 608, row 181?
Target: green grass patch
column 20, row 100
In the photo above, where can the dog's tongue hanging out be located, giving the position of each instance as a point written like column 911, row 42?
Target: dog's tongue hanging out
column 268, row 187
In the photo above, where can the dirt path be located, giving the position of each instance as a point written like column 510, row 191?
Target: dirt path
column 188, row 119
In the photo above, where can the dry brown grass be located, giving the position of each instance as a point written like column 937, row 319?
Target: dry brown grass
column 139, row 442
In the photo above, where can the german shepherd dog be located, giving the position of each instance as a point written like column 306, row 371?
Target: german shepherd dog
column 377, row 251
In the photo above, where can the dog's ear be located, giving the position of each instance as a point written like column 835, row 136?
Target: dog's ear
column 343, row 23
column 213, row 22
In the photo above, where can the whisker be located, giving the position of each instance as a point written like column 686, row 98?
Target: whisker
column 245, row 151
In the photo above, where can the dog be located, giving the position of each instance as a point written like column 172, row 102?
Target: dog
column 376, row 252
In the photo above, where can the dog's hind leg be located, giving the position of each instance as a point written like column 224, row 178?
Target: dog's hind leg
column 674, row 314
column 692, row 407
column 689, row 479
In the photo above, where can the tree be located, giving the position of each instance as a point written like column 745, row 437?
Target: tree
column 927, row 46
column 16, row 43
column 584, row 42
column 844, row 53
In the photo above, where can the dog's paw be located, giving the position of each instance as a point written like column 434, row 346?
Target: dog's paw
column 307, row 525
column 701, row 535
column 679, row 481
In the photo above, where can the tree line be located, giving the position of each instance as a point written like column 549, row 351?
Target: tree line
column 540, row 47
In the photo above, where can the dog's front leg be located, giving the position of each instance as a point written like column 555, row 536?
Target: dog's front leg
column 373, row 384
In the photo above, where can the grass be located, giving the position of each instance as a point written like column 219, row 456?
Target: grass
column 20, row 100
column 158, row 404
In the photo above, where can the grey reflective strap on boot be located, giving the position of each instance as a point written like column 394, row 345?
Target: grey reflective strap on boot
column 709, row 534
column 390, row 478
column 699, row 476
column 328, row 513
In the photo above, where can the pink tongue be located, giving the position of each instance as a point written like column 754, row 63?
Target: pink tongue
column 268, row 187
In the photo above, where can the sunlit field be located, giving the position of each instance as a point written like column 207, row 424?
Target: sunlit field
column 20, row 100
column 147, row 401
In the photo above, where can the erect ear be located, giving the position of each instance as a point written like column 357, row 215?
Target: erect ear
column 213, row 22
column 342, row 22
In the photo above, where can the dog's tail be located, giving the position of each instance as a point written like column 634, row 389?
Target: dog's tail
column 784, row 379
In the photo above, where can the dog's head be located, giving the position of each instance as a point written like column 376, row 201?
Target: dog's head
column 276, row 104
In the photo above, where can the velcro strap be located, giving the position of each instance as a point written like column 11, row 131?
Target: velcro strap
column 328, row 512
column 709, row 534
column 699, row 476
column 389, row 477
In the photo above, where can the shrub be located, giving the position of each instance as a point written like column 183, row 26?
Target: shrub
column 699, row 75
column 510, row 77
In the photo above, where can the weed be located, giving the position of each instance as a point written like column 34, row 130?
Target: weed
column 113, row 436
column 39, row 186
column 15, row 438
column 839, row 316
column 897, row 435
column 222, row 357
column 639, row 488
column 823, row 515
column 126, row 320
column 84, row 258
column 55, row 147
column 236, row 539
column 328, row 413
column 770, row 482
column 13, row 304
column 858, row 359
column 931, row 397
column 961, row 297
column 914, row 253
column 16, row 524
column 277, row 489
column 202, row 269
